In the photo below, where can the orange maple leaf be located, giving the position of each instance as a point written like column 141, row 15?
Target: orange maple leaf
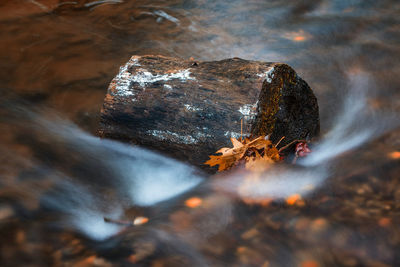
column 256, row 154
column 229, row 156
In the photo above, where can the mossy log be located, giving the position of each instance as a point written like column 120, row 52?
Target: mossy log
column 188, row 109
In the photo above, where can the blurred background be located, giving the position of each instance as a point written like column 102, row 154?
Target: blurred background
column 56, row 61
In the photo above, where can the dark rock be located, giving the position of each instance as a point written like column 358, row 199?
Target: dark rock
column 190, row 109
column 286, row 107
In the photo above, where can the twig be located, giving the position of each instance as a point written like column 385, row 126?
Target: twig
column 241, row 130
column 119, row 222
column 277, row 144
column 291, row 143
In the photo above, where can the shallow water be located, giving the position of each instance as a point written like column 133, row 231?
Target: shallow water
column 57, row 57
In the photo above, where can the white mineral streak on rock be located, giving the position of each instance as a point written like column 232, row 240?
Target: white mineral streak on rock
column 122, row 81
column 134, row 61
column 192, row 108
column 123, row 78
column 144, row 77
column 245, row 109
column 268, row 75
column 164, row 15
column 248, row 111
column 232, row 134
column 167, row 135
column 201, row 134
column 167, row 86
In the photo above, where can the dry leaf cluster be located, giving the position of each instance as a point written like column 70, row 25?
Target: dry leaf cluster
column 255, row 154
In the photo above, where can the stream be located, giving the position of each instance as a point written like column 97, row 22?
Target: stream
column 340, row 206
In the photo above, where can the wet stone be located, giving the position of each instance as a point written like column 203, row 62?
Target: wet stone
column 187, row 109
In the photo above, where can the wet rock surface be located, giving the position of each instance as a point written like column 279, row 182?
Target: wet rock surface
column 287, row 107
column 188, row 108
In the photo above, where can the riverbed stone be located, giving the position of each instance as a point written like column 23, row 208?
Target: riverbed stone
column 188, row 109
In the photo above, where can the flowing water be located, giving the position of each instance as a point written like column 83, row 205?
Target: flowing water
column 59, row 181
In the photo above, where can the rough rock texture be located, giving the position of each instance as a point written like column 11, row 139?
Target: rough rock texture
column 287, row 107
column 189, row 109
